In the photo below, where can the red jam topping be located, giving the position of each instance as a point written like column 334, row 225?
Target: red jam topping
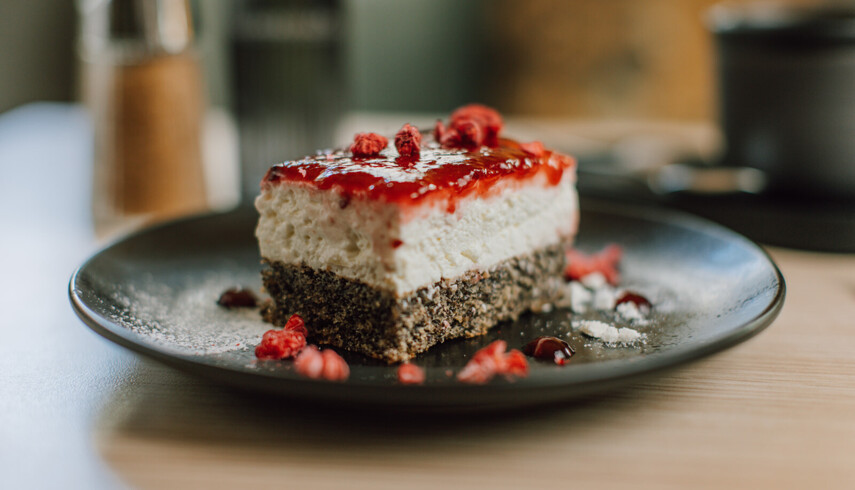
column 439, row 173
column 535, row 148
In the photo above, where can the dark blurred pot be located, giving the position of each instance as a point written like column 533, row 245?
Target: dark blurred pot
column 787, row 95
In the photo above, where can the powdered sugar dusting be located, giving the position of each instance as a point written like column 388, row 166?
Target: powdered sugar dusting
column 608, row 333
column 186, row 318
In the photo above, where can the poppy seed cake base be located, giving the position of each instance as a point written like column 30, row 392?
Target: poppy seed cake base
column 354, row 316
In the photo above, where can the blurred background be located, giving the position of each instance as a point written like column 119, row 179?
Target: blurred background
column 650, row 58
column 626, row 85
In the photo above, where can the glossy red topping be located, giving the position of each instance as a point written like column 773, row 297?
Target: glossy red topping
column 366, row 145
column 535, row 148
column 440, row 173
column 408, row 141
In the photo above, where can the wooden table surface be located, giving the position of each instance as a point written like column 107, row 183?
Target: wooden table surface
column 777, row 411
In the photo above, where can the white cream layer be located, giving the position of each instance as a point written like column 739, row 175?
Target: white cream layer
column 302, row 225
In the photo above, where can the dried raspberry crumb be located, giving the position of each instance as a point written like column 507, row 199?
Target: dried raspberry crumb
column 535, row 148
column 438, row 130
column 470, row 126
column 515, row 364
column 408, row 141
column 493, row 352
column 325, row 364
column 605, row 262
column 475, row 373
column 310, row 362
column 468, row 133
column 488, row 119
column 335, row 367
column 397, row 243
column 296, row 324
column 410, row 374
column 450, row 138
column 493, row 360
column 280, row 344
column 368, row 145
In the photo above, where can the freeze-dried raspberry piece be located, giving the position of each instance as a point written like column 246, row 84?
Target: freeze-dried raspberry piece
column 605, row 262
column 470, row 126
column 450, row 138
column 335, row 368
column 475, row 373
column 488, row 119
column 438, row 130
column 493, row 360
column 368, row 145
column 410, row 374
column 408, row 141
column 310, row 362
column 492, row 353
column 468, row 133
column 280, row 344
column 296, row 324
column 535, row 148
column 325, row 364
column 515, row 364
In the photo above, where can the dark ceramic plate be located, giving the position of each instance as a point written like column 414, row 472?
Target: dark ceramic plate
column 155, row 293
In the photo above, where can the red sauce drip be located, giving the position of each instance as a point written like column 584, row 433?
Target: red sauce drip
column 440, row 173
column 549, row 348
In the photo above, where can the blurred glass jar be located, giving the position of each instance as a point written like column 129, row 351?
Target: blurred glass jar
column 288, row 81
column 142, row 83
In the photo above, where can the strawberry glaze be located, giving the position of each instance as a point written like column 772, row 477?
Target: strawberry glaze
column 446, row 174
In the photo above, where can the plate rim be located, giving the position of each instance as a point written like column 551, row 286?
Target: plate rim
column 582, row 383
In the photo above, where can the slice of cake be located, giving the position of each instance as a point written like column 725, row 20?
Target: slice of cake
column 388, row 250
